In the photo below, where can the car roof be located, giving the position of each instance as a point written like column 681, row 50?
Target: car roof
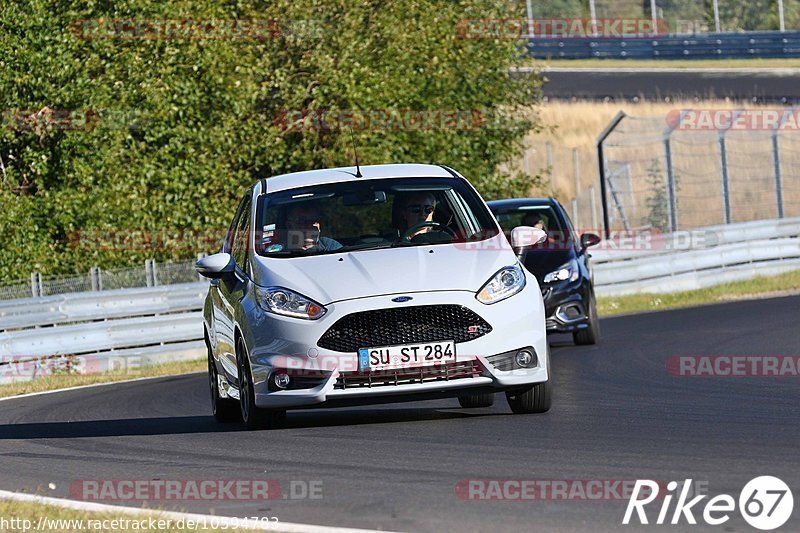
column 336, row 175
column 516, row 203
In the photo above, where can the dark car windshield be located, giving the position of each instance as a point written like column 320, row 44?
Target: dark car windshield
column 540, row 216
column 370, row 214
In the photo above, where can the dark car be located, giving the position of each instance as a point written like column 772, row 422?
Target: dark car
column 561, row 264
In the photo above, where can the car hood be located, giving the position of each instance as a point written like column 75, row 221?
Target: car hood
column 542, row 262
column 344, row 276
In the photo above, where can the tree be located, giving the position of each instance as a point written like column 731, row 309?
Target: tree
column 165, row 132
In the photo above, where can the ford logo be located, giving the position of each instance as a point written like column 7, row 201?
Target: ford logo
column 401, row 299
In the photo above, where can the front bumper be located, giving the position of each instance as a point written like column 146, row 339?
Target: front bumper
column 565, row 307
column 279, row 343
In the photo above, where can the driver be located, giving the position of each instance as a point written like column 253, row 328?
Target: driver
column 304, row 227
column 415, row 208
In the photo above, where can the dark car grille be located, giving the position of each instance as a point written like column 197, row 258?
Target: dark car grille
column 404, row 325
column 403, row 376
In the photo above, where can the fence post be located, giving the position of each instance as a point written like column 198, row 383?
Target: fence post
column 36, row 284
column 776, row 161
column 723, row 160
column 671, row 189
column 601, row 167
column 593, row 199
column 150, row 272
column 526, row 168
column 575, row 213
column 96, row 277
column 577, row 168
column 549, row 150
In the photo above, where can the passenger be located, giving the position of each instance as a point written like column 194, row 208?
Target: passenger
column 304, row 228
column 534, row 220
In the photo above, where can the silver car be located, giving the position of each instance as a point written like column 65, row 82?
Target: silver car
column 368, row 285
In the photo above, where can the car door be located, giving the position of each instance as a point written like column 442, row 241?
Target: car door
column 230, row 292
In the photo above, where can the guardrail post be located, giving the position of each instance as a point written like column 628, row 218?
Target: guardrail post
column 150, row 272
column 96, row 277
column 36, row 284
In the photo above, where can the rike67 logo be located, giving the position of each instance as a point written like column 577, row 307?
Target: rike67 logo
column 765, row 503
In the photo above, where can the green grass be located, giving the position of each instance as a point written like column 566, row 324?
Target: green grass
column 15, row 513
column 62, row 381
column 667, row 63
column 756, row 287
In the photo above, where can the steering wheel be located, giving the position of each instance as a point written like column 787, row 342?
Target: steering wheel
column 426, row 224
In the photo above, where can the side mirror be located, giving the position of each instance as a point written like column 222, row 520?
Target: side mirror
column 523, row 237
column 215, row 266
column 589, row 239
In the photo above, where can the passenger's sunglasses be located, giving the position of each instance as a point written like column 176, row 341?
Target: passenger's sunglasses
column 417, row 209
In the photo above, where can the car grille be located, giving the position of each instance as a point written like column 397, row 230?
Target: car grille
column 404, row 325
column 404, row 376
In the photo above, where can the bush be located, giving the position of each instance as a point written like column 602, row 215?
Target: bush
column 165, row 134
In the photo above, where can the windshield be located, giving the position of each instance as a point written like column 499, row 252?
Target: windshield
column 371, row 214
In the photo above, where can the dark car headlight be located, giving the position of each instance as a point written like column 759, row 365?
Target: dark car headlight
column 567, row 271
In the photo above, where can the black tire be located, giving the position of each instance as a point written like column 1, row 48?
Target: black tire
column 590, row 335
column 223, row 409
column 252, row 416
column 533, row 400
column 476, row 400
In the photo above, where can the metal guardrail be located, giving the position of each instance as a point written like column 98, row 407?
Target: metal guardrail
column 770, row 44
column 707, row 237
column 87, row 306
column 742, row 251
column 101, row 330
column 98, row 331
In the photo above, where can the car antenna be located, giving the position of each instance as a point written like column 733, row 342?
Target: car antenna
column 355, row 152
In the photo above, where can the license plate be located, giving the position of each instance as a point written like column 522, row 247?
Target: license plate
column 406, row 355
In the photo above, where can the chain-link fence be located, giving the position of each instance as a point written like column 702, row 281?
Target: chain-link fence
column 681, row 16
column 686, row 171
column 148, row 275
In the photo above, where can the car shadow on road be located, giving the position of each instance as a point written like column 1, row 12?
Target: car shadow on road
column 206, row 424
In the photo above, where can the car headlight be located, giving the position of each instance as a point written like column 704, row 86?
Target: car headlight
column 507, row 282
column 288, row 303
column 568, row 271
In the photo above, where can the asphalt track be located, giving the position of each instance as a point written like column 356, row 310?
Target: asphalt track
column 762, row 85
column 617, row 415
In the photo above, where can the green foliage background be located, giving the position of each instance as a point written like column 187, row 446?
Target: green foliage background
column 186, row 125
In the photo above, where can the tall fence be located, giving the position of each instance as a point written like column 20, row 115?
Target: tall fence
column 697, row 168
column 150, row 274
